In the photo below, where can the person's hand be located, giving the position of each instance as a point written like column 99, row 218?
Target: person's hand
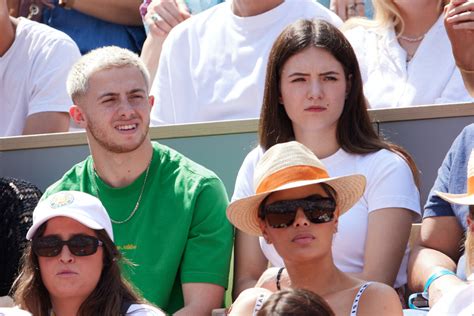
column 163, row 15
column 459, row 23
column 348, row 8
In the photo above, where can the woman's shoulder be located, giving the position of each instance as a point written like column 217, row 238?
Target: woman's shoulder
column 144, row 310
column 378, row 299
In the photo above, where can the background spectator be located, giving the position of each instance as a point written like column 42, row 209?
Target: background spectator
column 97, row 23
column 212, row 66
column 405, row 55
column 159, row 17
column 436, row 255
column 34, row 63
column 459, row 23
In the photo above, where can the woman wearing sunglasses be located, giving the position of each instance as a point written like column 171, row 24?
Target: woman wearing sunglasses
column 297, row 208
column 71, row 266
column 313, row 94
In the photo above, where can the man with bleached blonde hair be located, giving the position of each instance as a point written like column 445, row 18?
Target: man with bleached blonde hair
column 168, row 212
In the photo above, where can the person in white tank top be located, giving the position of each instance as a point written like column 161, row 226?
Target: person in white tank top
column 313, row 95
column 297, row 207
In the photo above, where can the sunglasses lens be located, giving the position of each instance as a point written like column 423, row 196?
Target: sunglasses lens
column 317, row 209
column 320, row 216
column 47, row 246
column 280, row 220
column 81, row 245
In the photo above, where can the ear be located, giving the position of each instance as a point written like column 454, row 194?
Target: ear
column 151, row 100
column 77, row 115
column 469, row 223
column 263, row 228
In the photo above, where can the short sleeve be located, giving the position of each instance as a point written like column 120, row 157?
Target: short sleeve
column 391, row 184
column 206, row 257
column 49, row 76
column 452, row 167
column 244, row 183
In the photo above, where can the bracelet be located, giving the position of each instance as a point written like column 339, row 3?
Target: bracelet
column 465, row 70
column 435, row 276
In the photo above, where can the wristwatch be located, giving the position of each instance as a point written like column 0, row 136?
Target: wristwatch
column 66, row 4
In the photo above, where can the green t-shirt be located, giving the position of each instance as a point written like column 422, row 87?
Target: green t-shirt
column 179, row 233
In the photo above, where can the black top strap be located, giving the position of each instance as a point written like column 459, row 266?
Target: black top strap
column 279, row 277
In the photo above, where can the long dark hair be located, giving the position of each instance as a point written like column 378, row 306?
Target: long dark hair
column 111, row 291
column 354, row 133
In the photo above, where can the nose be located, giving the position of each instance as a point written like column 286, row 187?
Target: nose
column 66, row 256
column 300, row 219
column 126, row 109
column 315, row 90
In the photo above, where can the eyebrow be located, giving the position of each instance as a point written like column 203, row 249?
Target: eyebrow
column 112, row 94
column 295, row 74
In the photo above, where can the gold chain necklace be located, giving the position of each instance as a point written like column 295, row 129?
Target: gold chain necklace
column 138, row 201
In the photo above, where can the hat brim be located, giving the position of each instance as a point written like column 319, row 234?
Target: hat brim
column 243, row 213
column 463, row 199
column 86, row 221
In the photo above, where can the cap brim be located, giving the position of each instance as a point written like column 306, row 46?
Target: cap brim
column 86, row 221
column 463, row 199
column 243, row 213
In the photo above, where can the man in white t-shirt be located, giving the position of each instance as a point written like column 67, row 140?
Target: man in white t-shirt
column 34, row 62
column 212, row 66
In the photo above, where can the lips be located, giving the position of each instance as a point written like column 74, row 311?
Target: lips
column 303, row 238
column 66, row 273
column 315, row 108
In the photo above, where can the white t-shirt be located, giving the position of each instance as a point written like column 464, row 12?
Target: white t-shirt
column 212, row 66
column 144, row 310
column 390, row 183
column 33, row 75
column 389, row 81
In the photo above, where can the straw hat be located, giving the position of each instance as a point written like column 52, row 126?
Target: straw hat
column 464, row 198
column 286, row 166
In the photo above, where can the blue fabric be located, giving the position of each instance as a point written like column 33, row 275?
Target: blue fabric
column 369, row 9
column 452, row 178
column 196, row 6
column 89, row 32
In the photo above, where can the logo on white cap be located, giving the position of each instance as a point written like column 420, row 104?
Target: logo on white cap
column 61, row 199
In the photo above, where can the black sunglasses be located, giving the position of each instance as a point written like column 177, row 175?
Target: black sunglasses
column 79, row 245
column 281, row 214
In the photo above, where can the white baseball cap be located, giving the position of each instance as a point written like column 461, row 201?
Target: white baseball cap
column 82, row 207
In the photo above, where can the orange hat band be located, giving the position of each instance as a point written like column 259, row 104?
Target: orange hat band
column 470, row 185
column 291, row 174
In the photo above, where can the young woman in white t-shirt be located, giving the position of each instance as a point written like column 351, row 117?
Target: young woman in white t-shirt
column 313, row 94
